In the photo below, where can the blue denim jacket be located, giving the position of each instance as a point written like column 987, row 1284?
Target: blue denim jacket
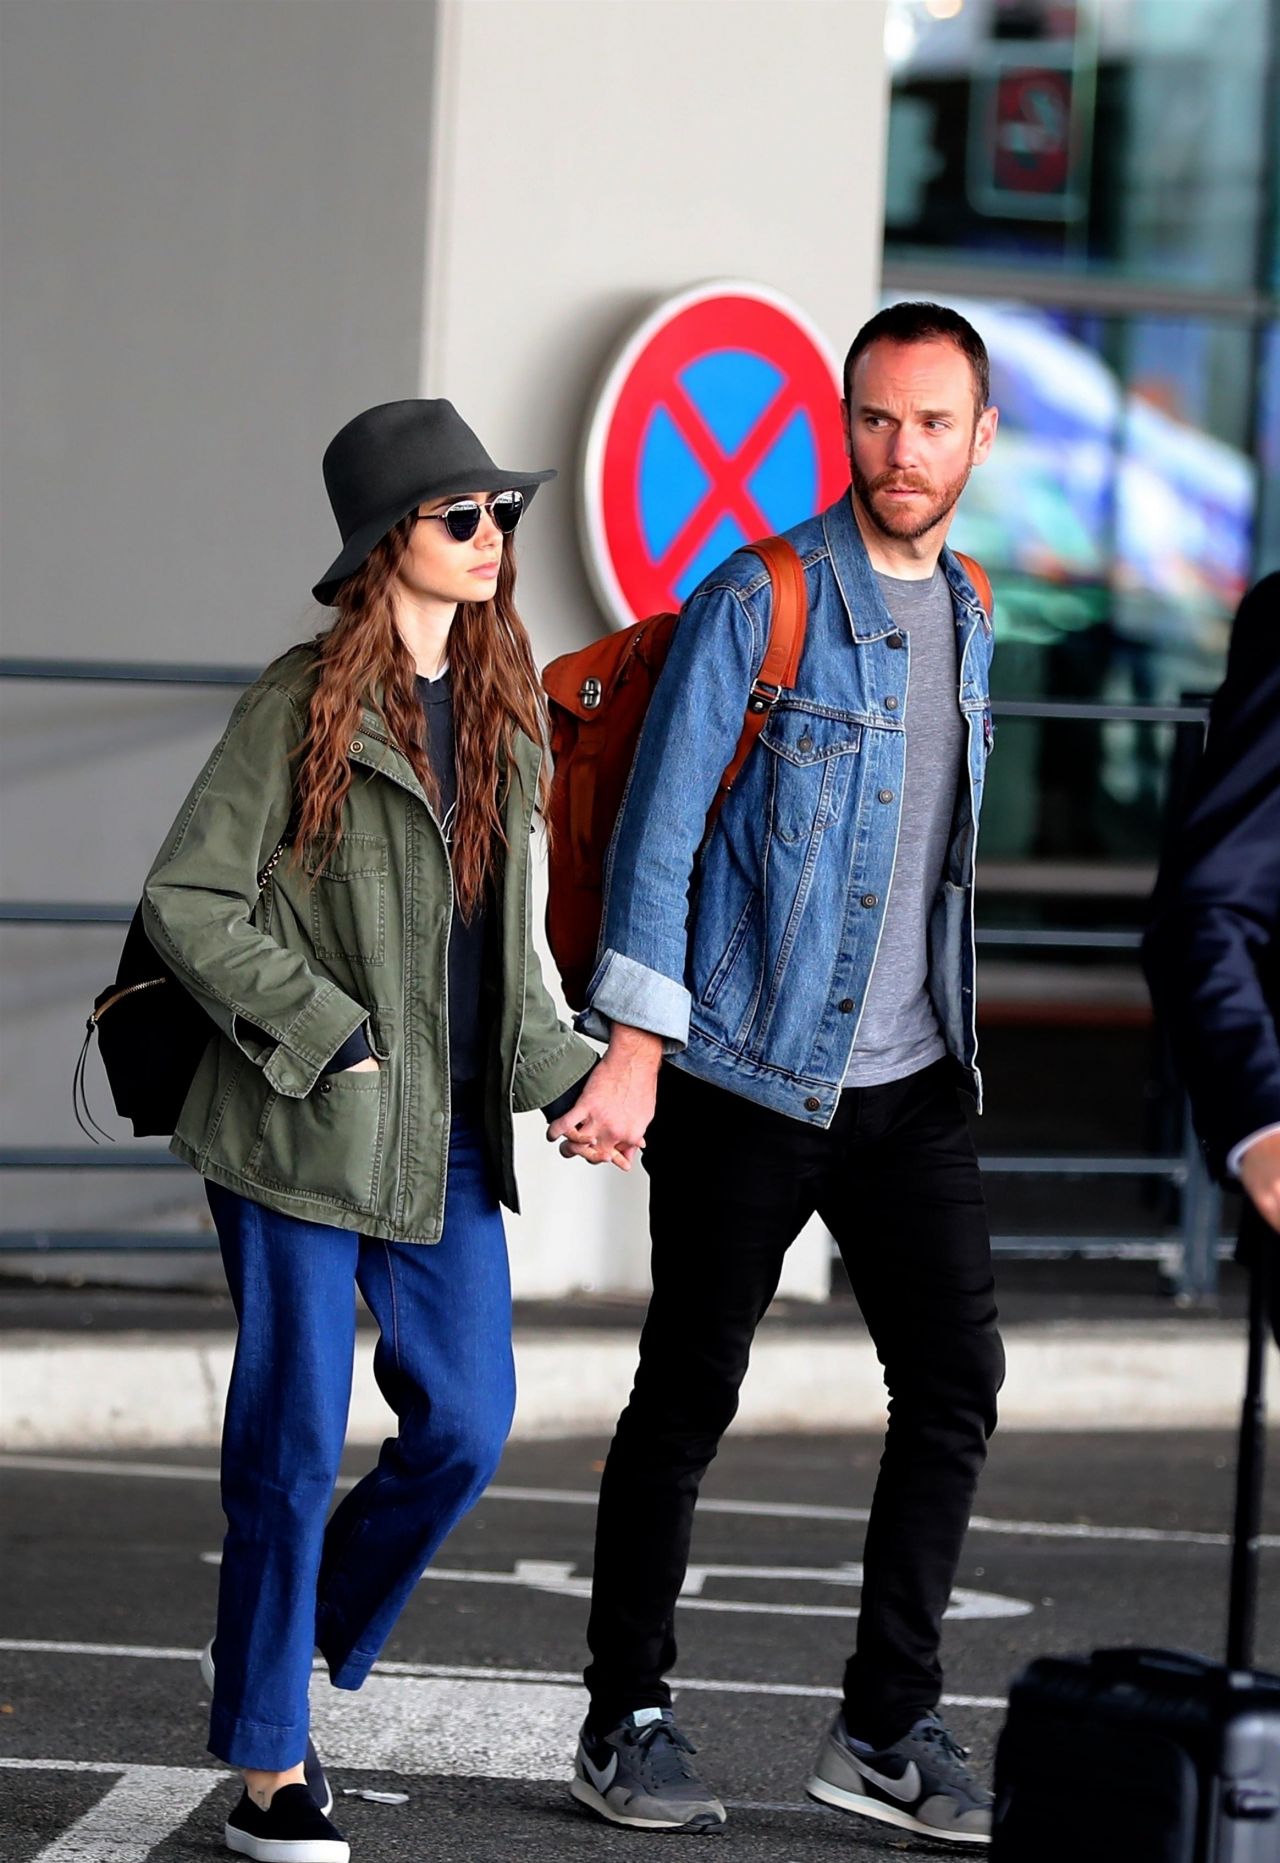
column 751, row 955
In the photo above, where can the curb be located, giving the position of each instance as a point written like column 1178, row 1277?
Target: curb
column 135, row 1390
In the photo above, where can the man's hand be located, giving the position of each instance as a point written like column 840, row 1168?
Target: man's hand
column 608, row 1123
column 1260, row 1175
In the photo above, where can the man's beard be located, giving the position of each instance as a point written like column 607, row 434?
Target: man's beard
column 905, row 526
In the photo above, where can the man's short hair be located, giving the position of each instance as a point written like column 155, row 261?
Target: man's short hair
column 922, row 323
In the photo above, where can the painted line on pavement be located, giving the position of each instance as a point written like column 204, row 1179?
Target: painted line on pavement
column 144, row 1806
column 455, row 1672
column 756, row 1510
column 556, row 1579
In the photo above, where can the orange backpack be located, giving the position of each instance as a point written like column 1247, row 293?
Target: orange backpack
column 598, row 700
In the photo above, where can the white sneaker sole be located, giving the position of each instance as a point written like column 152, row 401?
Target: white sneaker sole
column 701, row 1823
column 888, row 1814
column 280, row 1850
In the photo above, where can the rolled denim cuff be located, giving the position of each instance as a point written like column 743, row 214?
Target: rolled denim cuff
column 624, row 991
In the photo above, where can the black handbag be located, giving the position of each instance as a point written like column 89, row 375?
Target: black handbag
column 151, row 1034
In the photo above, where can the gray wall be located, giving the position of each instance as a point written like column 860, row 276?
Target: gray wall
column 213, row 246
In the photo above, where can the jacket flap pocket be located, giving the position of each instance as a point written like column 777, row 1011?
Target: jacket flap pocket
column 804, row 736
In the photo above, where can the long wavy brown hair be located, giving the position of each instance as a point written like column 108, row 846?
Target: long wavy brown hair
column 496, row 692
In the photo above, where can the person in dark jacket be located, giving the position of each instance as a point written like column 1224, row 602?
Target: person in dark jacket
column 1212, row 951
column 381, row 1015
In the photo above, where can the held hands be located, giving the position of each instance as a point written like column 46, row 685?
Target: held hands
column 608, row 1123
column 1260, row 1175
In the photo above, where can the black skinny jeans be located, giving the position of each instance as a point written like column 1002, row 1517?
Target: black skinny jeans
column 732, row 1184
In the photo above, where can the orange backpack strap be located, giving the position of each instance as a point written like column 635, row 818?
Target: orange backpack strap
column 778, row 669
column 980, row 580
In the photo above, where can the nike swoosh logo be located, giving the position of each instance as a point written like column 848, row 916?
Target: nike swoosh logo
column 603, row 1780
column 906, row 1789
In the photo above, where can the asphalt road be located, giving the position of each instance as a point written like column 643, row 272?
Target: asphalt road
column 109, row 1587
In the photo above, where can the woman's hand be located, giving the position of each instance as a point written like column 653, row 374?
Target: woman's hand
column 367, row 1066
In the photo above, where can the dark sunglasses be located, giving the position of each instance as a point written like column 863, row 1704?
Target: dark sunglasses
column 462, row 520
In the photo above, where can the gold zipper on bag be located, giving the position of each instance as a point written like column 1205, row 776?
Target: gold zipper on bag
column 131, row 990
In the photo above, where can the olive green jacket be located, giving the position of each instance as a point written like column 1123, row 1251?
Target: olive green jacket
column 288, row 972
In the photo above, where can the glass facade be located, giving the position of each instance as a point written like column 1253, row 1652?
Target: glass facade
column 1094, row 183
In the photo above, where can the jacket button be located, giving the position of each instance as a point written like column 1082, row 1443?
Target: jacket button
column 812, row 1106
column 326, row 1086
column 871, row 899
column 806, row 742
column 895, row 640
column 891, row 704
column 886, row 795
column 437, row 1118
column 846, row 1006
column 357, row 745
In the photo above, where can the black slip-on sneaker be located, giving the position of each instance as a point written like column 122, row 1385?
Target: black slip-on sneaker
column 314, row 1773
column 921, row 1783
column 639, row 1775
column 294, row 1830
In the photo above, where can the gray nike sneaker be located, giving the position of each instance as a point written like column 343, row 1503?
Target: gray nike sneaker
column 639, row 1775
column 921, row 1783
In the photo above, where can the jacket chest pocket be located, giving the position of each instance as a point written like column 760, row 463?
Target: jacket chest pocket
column 348, row 902
column 811, row 759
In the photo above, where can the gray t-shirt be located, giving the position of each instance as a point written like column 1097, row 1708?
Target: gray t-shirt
column 898, row 1034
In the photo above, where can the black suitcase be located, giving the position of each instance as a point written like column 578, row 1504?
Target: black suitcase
column 1152, row 1756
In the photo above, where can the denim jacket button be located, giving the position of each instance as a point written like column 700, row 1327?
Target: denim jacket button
column 895, row 640
column 812, row 1106
column 871, row 899
column 886, row 795
column 891, row 704
column 846, row 1006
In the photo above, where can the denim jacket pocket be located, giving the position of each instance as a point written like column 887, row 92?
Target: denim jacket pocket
column 810, row 747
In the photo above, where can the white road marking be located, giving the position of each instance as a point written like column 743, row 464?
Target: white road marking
column 558, row 1577
column 144, row 1806
column 755, row 1510
column 462, row 1673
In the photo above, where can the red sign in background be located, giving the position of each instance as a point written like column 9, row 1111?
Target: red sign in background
column 719, row 423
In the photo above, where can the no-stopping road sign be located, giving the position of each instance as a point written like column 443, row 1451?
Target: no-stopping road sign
column 718, row 422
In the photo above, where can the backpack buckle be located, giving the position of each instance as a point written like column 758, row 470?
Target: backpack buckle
column 591, row 694
column 763, row 697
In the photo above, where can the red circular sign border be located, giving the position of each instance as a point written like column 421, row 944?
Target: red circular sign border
column 761, row 308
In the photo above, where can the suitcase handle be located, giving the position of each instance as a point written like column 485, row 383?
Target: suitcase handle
column 1173, row 1662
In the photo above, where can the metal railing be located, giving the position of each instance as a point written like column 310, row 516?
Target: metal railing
column 1190, row 1254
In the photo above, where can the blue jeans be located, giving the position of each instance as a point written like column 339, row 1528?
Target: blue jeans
column 443, row 1362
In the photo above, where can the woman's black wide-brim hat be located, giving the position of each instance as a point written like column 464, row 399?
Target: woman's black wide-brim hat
column 388, row 461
